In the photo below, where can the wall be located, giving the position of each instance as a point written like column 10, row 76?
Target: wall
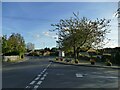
column 10, row 58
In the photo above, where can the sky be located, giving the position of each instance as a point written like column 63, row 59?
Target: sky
column 60, row 0
column 33, row 19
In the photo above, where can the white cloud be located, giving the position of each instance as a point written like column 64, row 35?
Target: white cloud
column 36, row 36
column 46, row 33
column 111, row 44
column 51, row 35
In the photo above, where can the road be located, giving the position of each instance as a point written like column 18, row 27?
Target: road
column 38, row 72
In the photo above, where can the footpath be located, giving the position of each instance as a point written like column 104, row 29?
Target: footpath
column 87, row 64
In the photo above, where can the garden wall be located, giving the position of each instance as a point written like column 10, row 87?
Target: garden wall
column 10, row 58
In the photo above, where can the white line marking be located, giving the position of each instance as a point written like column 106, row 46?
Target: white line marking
column 39, row 82
column 49, row 64
column 39, row 75
column 32, row 82
column 42, row 78
column 107, row 77
column 36, row 86
column 79, row 75
column 45, row 69
column 37, row 78
column 45, row 75
column 27, row 86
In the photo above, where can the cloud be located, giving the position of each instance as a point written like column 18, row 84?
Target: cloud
column 112, row 44
column 51, row 35
column 46, row 33
column 36, row 36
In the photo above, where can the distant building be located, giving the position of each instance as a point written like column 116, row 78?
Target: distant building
column 46, row 53
column 112, row 50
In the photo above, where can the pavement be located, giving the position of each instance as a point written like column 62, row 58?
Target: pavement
column 88, row 64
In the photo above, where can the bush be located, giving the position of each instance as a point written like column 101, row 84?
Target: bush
column 67, row 60
column 22, row 56
column 54, row 54
column 76, row 61
column 92, row 61
column 8, row 60
column 108, row 63
column 61, row 59
column 105, row 57
column 11, row 53
column 57, row 59
column 117, row 58
column 84, row 57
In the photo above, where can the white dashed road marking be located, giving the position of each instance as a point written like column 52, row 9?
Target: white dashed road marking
column 37, row 78
column 42, row 78
column 32, row 82
column 39, row 75
column 27, row 86
column 44, row 75
column 39, row 82
column 79, row 75
column 36, row 86
column 36, row 82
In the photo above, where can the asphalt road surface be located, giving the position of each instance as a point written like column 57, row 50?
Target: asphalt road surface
column 38, row 72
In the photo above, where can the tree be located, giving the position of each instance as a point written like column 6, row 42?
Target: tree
column 46, row 49
column 54, row 49
column 76, row 33
column 30, row 46
column 14, row 45
column 5, row 46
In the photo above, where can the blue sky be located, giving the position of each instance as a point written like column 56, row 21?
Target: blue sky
column 33, row 19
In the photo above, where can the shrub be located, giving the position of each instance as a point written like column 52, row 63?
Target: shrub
column 76, row 61
column 106, row 57
column 92, row 61
column 72, row 61
column 108, row 63
column 117, row 58
column 8, row 60
column 57, row 59
column 12, row 53
column 61, row 59
column 84, row 57
column 67, row 60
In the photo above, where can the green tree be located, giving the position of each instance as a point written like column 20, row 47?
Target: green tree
column 54, row 49
column 14, row 45
column 5, row 46
column 76, row 33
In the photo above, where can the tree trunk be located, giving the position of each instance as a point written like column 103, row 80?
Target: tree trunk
column 74, row 52
column 77, row 54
